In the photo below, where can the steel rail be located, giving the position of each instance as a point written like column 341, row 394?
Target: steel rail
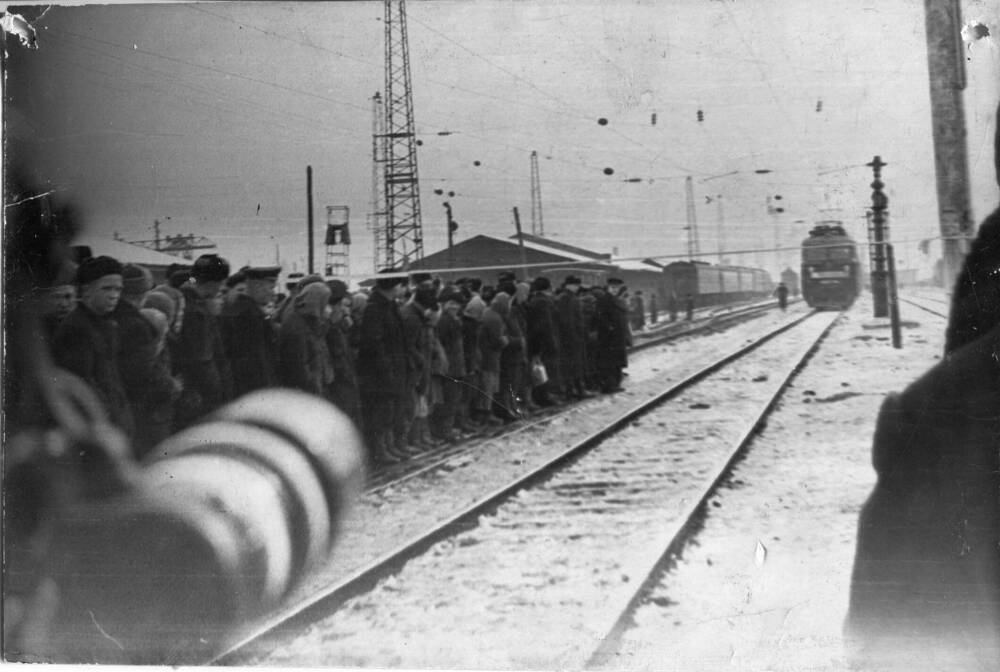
column 684, row 529
column 328, row 600
column 435, row 458
column 923, row 307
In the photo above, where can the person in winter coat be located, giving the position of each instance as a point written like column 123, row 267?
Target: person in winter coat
column 492, row 340
column 473, row 400
column 572, row 339
column 304, row 359
column 384, row 372
column 343, row 391
column 925, row 591
column 544, row 338
column 199, row 358
column 450, row 336
column 519, row 316
column 419, row 318
column 637, row 311
column 611, row 320
column 782, row 293
column 154, row 409
column 249, row 338
column 60, row 300
column 588, row 301
column 513, row 358
column 149, row 385
column 87, row 342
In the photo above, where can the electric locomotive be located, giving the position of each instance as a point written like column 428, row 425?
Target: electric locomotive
column 831, row 272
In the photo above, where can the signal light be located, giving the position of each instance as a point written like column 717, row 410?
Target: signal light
column 701, row 116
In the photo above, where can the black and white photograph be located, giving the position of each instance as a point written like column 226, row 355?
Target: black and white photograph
column 502, row 334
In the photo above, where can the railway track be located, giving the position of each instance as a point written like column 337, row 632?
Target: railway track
column 568, row 520
column 930, row 304
column 392, row 475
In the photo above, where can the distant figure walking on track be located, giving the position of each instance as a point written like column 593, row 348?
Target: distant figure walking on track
column 690, row 307
column 782, row 293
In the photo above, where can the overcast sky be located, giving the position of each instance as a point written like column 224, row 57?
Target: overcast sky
column 205, row 116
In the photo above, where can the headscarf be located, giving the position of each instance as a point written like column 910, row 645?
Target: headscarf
column 501, row 304
column 313, row 299
column 523, row 291
column 475, row 308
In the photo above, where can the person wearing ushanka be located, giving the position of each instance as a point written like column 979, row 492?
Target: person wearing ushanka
column 249, row 338
column 87, row 342
column 198, row 355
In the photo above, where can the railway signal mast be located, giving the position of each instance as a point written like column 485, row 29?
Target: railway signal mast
column 404, row 240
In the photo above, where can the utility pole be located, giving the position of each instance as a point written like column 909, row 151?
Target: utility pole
column 404, row 240
column 309, row 216
column 946, row 72
column 520, row 242
column 877, row 240
column 721, row 222
column 452, row 227
column 537, row 225
column 692, row 220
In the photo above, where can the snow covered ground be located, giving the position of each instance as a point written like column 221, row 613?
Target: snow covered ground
column 765, row 586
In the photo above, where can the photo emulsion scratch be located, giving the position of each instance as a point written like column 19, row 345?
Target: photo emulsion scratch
column 502, row 335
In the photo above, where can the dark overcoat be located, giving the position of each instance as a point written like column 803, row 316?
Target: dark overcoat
column 572, row 335
column 383, row 366
column 611, row 324
column 87, row 344
column 250, row 341
column 199, row 357
column 303, row 354
column 543, row 334
column 927, row 566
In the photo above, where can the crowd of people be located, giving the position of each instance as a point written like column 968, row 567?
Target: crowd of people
column 413, row 361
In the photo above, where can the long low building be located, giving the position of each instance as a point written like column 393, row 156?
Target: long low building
column 485, row 257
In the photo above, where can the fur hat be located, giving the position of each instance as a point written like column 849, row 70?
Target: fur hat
column 572, row 280
column 136, row 280
column 210, row 268
column 96, row 268
column 540, row 284
column 338, row 290
column 451, row 293
column 158, row 320
column 426, row 296
column 162, row 302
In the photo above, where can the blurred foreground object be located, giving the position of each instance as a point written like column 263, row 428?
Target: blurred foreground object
column 925, row 591
column 106, row 560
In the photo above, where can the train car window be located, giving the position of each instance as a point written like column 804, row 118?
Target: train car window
column 814, row 254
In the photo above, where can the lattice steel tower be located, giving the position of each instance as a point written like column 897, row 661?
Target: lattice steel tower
column 404, row 239
column 377, row 211
column 537, row 225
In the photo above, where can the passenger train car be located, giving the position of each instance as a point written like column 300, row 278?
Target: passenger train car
column 709, row 284
column 831, row 272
